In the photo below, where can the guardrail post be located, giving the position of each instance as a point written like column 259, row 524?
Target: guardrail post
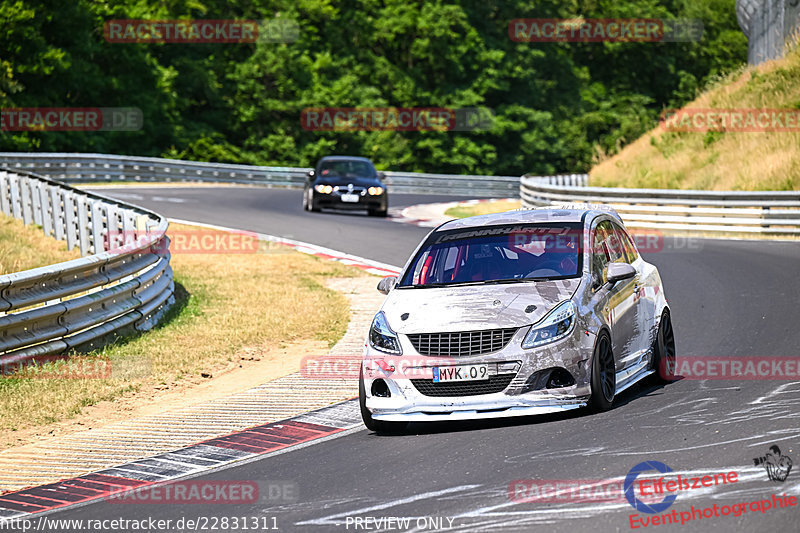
column 113, row 237
column 47, row 210
column 25, row 198
column 128, row 224
column 57, row 212
column 70, row 221
column 16, row 205
column 96, row 209
column 36, row 200
column 5, row 195
column 83, row 224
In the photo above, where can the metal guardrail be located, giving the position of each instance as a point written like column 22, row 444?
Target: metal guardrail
column 124, row 279
column 708, row 211
column 100, row 168
column 758, row 212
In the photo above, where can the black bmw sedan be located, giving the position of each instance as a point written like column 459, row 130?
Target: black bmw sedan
column 345, row 182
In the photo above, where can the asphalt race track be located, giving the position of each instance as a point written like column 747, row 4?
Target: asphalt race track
column 728, row 298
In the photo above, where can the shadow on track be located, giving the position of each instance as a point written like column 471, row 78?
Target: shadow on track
column 644, row 388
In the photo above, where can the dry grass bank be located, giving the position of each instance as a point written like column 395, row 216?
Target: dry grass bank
column 720, row 160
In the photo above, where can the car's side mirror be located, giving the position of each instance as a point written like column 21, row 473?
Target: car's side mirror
column 311, row 174
column 381, row 176
column 619, row 271
column 386, row 284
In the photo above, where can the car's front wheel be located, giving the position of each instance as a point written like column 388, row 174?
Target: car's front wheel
column 377, row 212
column 378, row 426
column 664, row 358
column 308, row 202
column 603, row 375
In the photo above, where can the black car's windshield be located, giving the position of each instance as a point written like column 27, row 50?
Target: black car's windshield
column 346, row 169
column 497, row 255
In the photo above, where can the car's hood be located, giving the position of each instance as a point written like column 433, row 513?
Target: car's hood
column 474, row 307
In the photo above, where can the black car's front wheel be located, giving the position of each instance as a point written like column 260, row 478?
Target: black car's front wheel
column 603, row 375
column 377, row 212
column 308, row 201
column 378, row 426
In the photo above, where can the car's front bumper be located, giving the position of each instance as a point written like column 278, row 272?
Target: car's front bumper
column 407, row 403
column 334, row 201
column 500, row 406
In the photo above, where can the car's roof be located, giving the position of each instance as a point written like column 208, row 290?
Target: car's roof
column 343, row 158
column 538, row 215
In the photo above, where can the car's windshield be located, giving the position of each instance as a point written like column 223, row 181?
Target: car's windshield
column 503, row 254
column 346, row 169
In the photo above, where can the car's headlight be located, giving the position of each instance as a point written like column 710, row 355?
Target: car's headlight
column 375, row 191
column 381, row 336
column 324, row 189
column 555, row 326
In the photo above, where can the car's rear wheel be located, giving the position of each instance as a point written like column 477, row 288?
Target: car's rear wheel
column 603, row 375
column 305, row 200
column 378, row 426
column 377, row 212
column 664, row 358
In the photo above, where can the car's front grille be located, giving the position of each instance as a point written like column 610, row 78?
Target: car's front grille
column 462, row 343
column 356, row 190
column 492, row 385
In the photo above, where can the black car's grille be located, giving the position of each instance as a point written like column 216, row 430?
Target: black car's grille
column 492, row 385
column 462, row 343
column 342, row 189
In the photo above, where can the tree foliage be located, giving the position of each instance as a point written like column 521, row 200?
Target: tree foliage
column 557, row 105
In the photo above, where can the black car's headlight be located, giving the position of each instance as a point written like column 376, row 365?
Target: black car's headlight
column 555, row 326
column 324, row 189
column 381, row 336
column 375, row 191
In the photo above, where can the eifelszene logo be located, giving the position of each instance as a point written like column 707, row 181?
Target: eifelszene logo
column 777, row 465
column 630, row 494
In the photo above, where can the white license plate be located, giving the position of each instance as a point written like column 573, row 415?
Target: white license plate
column 460, row 373
column 352, row 198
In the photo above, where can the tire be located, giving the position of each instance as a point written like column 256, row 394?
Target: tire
column 377, row 212
column 310, row 202
column 305, row 200
column 603, row 375
column 664, row 351
column 378, row 426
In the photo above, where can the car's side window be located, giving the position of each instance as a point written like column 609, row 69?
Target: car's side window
column 607, row 247
column 625, row 244
column 600, row 254
column 630, row 247
column 614, row 242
